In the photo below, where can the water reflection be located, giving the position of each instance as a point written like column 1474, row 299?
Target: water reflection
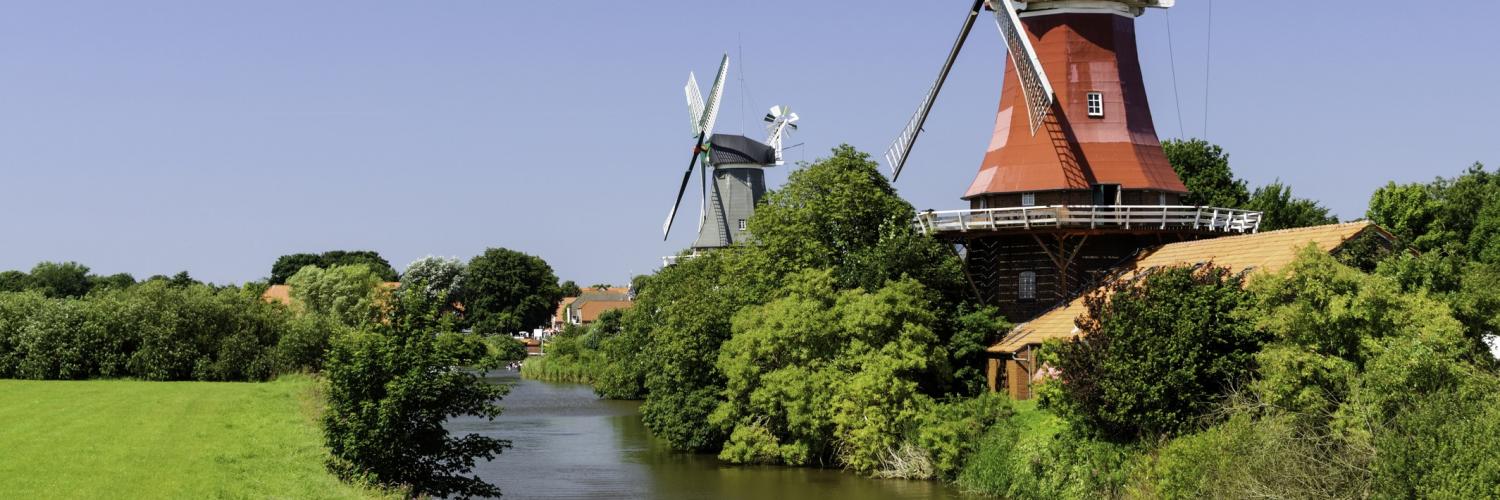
column 570, row 444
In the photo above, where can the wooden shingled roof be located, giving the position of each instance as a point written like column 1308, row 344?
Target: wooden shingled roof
column 1261, row 252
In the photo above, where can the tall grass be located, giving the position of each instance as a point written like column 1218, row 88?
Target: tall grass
column 553, row 368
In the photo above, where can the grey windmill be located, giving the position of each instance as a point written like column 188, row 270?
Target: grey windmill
column 734, row 178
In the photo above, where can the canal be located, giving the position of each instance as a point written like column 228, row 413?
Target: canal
column 568, row 443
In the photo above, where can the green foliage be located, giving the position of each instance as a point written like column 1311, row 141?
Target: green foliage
column 14, row 281
column 1157, row 353
column 116, row 281
column 1460, row 215
column 1034, row 454
column 570, row 289
column 840, row 213
column 505, row 291
column 305, row 341
column 288, row 265
column 351, row 295
column 1204, row 168
column 974, row 331
column 680, row 319
column 151, row 331
column 818, row 375
column 389, row 392
column 505, row 349
column 1281, row 211
column 436, row 276
column 58, row 280
column 950, row 431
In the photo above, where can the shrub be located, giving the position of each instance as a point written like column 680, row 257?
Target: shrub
column 352, row 295
column 1157, row 353
column 389, row 393
column 830, row 375
column 950, row 431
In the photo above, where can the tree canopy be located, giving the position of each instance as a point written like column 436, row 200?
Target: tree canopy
column 505, row 291
column 287, row 265
column 1204, row 168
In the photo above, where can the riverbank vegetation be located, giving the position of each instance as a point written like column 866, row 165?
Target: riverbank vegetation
column 139, row 439
column 390, row 360
column 840, row 337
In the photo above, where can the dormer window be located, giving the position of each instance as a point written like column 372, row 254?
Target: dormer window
column 742, row 224
column 1096, row 104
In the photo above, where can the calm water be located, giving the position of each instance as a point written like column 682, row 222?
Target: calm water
column 571, row 444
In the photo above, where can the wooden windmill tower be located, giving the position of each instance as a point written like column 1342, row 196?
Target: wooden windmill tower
column 1074, row 179
column 734, row 178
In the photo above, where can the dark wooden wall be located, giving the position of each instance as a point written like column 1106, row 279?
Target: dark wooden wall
column 995, row 264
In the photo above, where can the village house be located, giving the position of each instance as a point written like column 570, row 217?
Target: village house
column 588, row 305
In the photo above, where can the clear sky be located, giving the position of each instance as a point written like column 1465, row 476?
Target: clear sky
column 151, row 137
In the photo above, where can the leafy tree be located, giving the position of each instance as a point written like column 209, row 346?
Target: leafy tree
column 840, row 213
column 287, row 265
column 819, row 375
column 183, row 280
column 390, row 389
column 114, row 281
column 438, row 276
column 351, row 295
column 369, row 258
column 14, row 281
column 66, row 279
column 1452, row 215
column 681, row 317
column 570, row 289
column 974, row 331
column 1281, row 211
column 505, row 291
column 1408, row 211
column 1204, row 168
column 1157, row 353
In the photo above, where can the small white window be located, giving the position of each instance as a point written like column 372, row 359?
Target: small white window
column 1096, row 104
column 1028, row 199
column 1028, row 285
column 1161, row 199
column 742, row 224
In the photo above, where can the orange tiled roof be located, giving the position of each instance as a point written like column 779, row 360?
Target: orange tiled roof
column 561, row 315
column 1261, row 252
column 278, row 293
column 591, row 310
column 283, row 293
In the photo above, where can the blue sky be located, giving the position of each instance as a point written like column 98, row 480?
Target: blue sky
column 155, row 136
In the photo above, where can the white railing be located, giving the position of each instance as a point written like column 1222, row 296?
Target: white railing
column 1206, row 219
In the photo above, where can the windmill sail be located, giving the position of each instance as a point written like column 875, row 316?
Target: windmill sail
column 895, row 157
column 1032, row 77
column 695, row 104
column 715, row 95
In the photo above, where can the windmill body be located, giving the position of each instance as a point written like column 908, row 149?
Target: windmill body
column 737, row 182
column 733, row 178
column 1097, row 142
column 1074, row 179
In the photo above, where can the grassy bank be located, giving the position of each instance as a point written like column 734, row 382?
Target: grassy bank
column 554, row 368
column 130, row 439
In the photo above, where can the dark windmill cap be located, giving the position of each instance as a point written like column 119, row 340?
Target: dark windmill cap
column 731, row 149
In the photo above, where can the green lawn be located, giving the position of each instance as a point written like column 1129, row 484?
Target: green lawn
column 128, row 439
